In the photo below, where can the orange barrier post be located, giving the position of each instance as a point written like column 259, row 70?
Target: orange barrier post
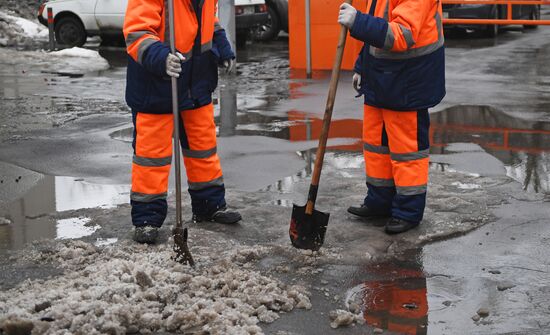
column 509, row 20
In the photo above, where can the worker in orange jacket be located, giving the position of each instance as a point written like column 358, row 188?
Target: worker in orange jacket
column 202, row 46
column 401, row 73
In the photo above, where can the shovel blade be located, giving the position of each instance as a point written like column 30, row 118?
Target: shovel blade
column 308, row 231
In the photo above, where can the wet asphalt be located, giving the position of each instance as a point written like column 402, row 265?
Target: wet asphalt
column 65, row 153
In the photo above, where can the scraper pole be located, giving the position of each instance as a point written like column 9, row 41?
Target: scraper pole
column 320, row 156
column 180, row 233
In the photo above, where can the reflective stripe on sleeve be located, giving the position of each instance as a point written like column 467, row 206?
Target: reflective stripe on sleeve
column 146, row 43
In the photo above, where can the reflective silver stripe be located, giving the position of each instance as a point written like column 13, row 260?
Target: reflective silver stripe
column 199, row 153
column 136, row 35
column 217, row 26
column 377, row 149
column 412, row 190
column 411, row 156
column 206, row 46
column 380, row 182
column 146, row 43
column 390, row 39
column 154, row 162
column 142, row 197
column 416, row 52
column 203, row 185
column 408, row 35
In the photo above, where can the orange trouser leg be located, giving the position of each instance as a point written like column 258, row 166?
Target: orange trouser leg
column 377, row 161
column 151, row 168
column 409, row 151
column 152, row 156
column 200, row 154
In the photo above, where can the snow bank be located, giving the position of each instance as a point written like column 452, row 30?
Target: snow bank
column 129, row 288
column 80, row 59
column 17, row 30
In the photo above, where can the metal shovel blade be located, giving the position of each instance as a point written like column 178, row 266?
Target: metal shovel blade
column 308, row 231
column 183, row 255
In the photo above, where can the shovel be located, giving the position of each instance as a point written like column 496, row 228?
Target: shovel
column 308, row 226
column 183, row 255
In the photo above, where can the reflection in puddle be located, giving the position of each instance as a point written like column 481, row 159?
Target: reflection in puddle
column 28, row 216
column 74, row 228
column 395, row 299
column 523, row 146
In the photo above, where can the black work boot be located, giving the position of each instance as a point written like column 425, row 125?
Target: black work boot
column 366, row 212
column 397, row 226
column 146, row 234
column 222, row 215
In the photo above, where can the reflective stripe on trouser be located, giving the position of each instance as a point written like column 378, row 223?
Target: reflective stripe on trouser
column 396, row 149
column 152, row 160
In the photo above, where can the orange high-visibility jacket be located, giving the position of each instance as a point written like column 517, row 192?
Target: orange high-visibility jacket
column 198, row 36
column 403, row 61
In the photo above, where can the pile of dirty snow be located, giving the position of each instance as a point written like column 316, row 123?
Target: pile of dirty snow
column 129, row 288
column 74, row 60
column 16, row 30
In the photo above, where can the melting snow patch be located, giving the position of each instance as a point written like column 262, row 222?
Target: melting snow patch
column 80, row 58
column 463, row 186
column 23, row 26
column 138, row 289
column 4, row 221
column 74, row 228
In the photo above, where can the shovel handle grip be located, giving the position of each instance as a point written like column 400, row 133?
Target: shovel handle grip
column 320, row 156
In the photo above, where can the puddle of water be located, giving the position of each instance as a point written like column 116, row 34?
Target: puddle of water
column 74, row 228
column 394, row 298
column 26, row 219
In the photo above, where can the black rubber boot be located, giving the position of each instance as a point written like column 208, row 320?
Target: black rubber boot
column 146, row 234
column 222, row 215
column 365, row 212
column 397, row 226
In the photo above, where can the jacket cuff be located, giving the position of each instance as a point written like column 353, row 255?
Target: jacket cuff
column 223, row 45
column 154, row 59
column 370, row 29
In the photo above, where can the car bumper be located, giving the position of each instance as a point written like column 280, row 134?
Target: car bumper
column 246, row 21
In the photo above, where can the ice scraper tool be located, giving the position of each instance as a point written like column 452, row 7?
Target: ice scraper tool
column 308, row 225
column 183, row 255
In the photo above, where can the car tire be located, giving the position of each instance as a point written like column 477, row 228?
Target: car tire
column 535, row 15
column 271, row 29
column 69, row 32
column 492, row 30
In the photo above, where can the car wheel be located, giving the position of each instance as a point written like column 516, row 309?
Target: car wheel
column 535, row 15
column 271, row 29
column 69, row 32
column 492, row 30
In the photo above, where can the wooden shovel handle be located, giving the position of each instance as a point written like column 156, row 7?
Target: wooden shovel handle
column 326, row 120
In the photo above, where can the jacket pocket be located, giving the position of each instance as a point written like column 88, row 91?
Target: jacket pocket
column 388, row 80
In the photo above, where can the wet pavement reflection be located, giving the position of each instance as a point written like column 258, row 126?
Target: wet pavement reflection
column 395, row 297
column 27, row 219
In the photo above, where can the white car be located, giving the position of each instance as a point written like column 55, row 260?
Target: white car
column 75, row 20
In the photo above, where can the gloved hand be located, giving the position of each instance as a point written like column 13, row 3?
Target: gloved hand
column 173, row 64
column 357, row 82
column 229, row 65
column 347, row 14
